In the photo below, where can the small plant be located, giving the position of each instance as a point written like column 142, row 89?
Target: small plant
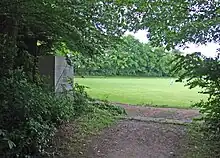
column 113, row 109
column 30, row 114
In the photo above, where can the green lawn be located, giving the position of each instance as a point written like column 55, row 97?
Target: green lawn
column 141, row 91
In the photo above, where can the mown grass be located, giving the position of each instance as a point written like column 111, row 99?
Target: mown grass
column 141, row 91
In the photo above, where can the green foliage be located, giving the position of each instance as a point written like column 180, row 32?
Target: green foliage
column 29, row 29
column 29, row 115
column 129, row 58
column 198, row 145
column 77, row 132
column 113, row 109
column 204, row 72
column 99, row 115
column 85, row 26
column 177, row 22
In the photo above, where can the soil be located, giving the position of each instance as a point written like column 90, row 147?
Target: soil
column 185, row 115
column 143, row 139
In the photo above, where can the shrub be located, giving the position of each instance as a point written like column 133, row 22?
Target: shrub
column 204, row 72
column 29, row 114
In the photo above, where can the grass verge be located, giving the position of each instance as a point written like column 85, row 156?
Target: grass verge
column 72, row 138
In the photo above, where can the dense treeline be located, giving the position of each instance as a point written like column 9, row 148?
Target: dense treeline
column 129, row 58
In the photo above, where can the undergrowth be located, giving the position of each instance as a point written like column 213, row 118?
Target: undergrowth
column 198, row 144
column 99, row 115
column 30, row 116
column 77, row 133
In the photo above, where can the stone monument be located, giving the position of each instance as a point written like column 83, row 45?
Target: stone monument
column 57, row 71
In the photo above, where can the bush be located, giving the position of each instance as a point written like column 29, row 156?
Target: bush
column 201, row 71
column 29, row 115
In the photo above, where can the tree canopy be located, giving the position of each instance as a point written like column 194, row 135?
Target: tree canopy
column 176, row 22
column 83, row 25
column 32, row 28
column 128, row 58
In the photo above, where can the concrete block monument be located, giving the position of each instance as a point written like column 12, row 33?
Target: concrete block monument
column 57, row 71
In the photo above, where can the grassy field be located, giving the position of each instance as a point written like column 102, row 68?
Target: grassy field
column 141, row 91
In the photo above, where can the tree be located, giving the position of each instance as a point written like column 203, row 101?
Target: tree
column 76, row 22
column 129, row 58
column 38, row 26
column 176, row 22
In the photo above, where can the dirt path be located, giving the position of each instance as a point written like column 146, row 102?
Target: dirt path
column 141, row 137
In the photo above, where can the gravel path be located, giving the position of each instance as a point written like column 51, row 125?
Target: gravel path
column 185, row 115
column 143, row 139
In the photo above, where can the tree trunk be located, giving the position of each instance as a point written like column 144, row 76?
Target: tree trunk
column 8, row 41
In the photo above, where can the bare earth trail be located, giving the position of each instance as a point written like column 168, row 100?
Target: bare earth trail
column 148, row 132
